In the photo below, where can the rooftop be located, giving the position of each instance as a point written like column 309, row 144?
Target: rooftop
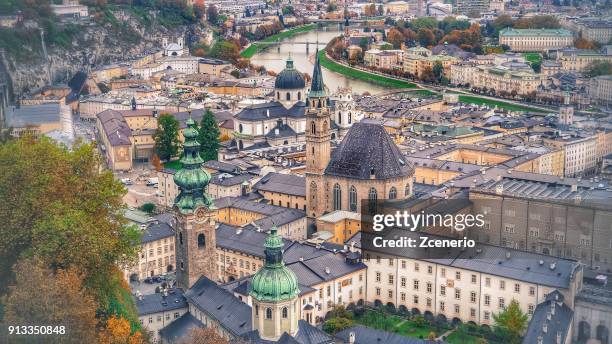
column 157, row 303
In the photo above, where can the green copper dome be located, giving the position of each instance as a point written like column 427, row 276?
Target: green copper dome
column 274, row 282
column 191, row 179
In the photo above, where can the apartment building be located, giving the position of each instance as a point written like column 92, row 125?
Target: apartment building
column 575, row 60
column 156, row 255
column 465, row 285
column 580, row 152
column 600, row 90
column 507, row 77
column 156, row 311
column 594, row 30
column 383, row 59
column 536, row 39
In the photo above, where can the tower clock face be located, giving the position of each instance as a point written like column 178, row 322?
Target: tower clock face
column 200, row 213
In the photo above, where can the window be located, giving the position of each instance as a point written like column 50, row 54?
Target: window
column 442, row 306
column 487, row 300
column 531, row 291
column 407, row 190
column 443, row 272
column 458, row 275
column 415, row 299
column 486, row 315
column 502, row 303
column 416, row 284
column 353, row 198
column 442, row 290
column 456, row 308
column 488, row 281
column 429, row 287
column 428, row 302
column 181, row 238
column 403, row 281
column 502, row 285
column 473, row 297
column 313, row 128
column 150, row 320
column 473, row 278
column 429, row 269
column 176, row 315
column 328, row 291
column 403, row 296
column 403, row 264
column 201, row 240
column 416, row 266
column 378, row 277
column 473, row 312
column 372, row 197
column 288, row 96
column 268, row 313
column 284, row 313
column 530, row 309
column 378, row 291
column 337, row 197
column 517, row 288
column 391, row 279
column 390, row 294
column 457, row 294
column 393, row 193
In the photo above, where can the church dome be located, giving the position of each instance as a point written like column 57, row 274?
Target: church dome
column 290, row 78
column 274, row 282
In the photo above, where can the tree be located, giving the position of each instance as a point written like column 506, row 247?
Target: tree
column 597, row 68
column 148, row 207
column 167, row 143
column 225, row 50
column 206, row 335
column 156, row 163
column 395, row 37
column 582, row 43
column 438, row 70
column 65, row 209
column 208, row 137
column 512, row 321
column 212, row 14
column 426, row 37
column 335, row 325
column 41, row 296
column 118, row 332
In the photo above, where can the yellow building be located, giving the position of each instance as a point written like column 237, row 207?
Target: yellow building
column 341, row 224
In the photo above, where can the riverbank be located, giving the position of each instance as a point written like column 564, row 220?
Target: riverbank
column 334, row 66
column 261, row 45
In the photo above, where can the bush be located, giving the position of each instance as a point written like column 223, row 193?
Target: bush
column 335, row 325
column 148, row 208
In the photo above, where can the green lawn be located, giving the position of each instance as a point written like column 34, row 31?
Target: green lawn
column 361, row 75
column 175, row 165
column 257, row 47
column 459, row 337
column 500, row 104
column 395, row 324
column 533, row 57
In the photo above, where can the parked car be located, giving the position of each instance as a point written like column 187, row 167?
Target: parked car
column 152, row 181
column 126, row 181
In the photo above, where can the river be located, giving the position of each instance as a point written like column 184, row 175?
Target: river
column 275, row 60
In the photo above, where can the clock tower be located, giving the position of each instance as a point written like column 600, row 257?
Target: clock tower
column 194, row 216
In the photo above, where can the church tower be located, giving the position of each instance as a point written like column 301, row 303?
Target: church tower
column 275, row 291
column 566, row 112
column 194, row 217
column 318, row 137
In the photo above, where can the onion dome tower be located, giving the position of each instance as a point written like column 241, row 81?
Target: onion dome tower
column 289, row 85
column 275, row 291
column 194, row 217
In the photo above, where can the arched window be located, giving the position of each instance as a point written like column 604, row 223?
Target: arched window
column 201, row 240
column 325, row 125
column 350, row 118
column 337, row 197
column 268, row 313
column 339, row 117
column 393, row 193
column 240, row 127
column 372, row 195
column 288, row 96
column 407, row 190
column 181, row 238
column 285, row 313
column 299, row 95
column 313, row 128
column 319, row 103
column 278, row 95
column 257, row 310
column 353, row 199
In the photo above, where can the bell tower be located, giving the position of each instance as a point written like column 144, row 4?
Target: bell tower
column 318, row 137
column 194, row 215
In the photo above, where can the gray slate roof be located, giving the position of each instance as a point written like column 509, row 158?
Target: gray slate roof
column 156, row 303
column 521, row 266
column 282, row 183
column 156, row 231
column 367, row 335
column 307, row 334
column 233, row 314
column 180, row 328
column 365, row 150
column 19, row 117
column 115, row 128
column 561, row 317
column 258, row 112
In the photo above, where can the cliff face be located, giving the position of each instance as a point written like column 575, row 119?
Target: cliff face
column 94, row 44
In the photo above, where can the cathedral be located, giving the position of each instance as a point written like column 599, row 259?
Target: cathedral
column 366, row 164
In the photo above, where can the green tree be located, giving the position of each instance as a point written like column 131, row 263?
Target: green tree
column 148, row 207
column 335, row 325
column 167, row 143
column 511, row 321
column 597, row 68
column 225, row 50
column 58, row 205
column 438, row 70
column 208, row 137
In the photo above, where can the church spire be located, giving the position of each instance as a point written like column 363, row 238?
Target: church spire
column 191, row 178
column 317, row 87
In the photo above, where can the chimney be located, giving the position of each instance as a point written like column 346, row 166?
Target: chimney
column 540, row 340
column 552, row 308
column 548, row 316
column 351, row 339
column 558, row 337
column 545, row 327
column 574, row 187
column 499, row 189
